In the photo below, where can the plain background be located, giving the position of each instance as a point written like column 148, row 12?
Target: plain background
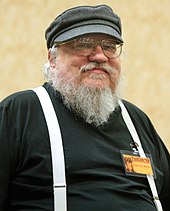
column 145, row 58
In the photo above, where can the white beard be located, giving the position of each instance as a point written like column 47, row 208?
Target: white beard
column 92, row 104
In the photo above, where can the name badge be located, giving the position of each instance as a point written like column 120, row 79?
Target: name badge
column 135, row 165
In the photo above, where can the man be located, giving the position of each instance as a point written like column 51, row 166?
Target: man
column 84, row 74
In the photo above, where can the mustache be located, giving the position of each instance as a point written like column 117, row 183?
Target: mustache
column 93, row 65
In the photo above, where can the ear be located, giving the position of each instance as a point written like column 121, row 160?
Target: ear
column 51, row 59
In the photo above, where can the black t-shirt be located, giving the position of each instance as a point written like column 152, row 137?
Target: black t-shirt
column 95, row 174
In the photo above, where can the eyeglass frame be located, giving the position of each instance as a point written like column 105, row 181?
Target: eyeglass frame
column 96, row 43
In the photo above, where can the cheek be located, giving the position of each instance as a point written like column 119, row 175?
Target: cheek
column 117, row 66
column 67, row 74
column 69, row 67
column 116, row 63
column 115, row 77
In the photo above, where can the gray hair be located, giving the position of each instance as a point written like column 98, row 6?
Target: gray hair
column 46, row 66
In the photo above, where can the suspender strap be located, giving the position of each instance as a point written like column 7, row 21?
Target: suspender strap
column 58, row 163
column 136, row 139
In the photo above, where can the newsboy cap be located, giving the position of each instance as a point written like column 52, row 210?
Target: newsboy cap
column 84, row 20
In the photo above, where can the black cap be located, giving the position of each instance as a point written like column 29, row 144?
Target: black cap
column 82, row 20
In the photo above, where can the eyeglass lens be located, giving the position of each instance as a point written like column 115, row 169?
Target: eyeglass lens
column 86, row 45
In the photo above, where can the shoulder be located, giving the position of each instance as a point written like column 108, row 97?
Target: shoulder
column 18, row 99
column 24, row 103
column 24, row 98
column 134, row 110
column 139, row 118
column 144, row 126
column 19, row 107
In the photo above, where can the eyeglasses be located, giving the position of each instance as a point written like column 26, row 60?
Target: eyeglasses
column 85, row 46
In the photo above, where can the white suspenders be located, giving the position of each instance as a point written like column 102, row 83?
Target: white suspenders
column 136, row 139
column 58, row 163
column 57, row 154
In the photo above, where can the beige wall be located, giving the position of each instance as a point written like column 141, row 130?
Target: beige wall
column 146, row 31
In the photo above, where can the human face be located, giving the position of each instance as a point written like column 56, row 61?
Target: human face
column 94, row 70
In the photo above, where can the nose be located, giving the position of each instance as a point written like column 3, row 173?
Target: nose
column 98, row 55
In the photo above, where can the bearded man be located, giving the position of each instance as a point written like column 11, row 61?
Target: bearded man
column 97, row 128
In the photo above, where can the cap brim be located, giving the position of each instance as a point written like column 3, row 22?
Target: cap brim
column 88, row 29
